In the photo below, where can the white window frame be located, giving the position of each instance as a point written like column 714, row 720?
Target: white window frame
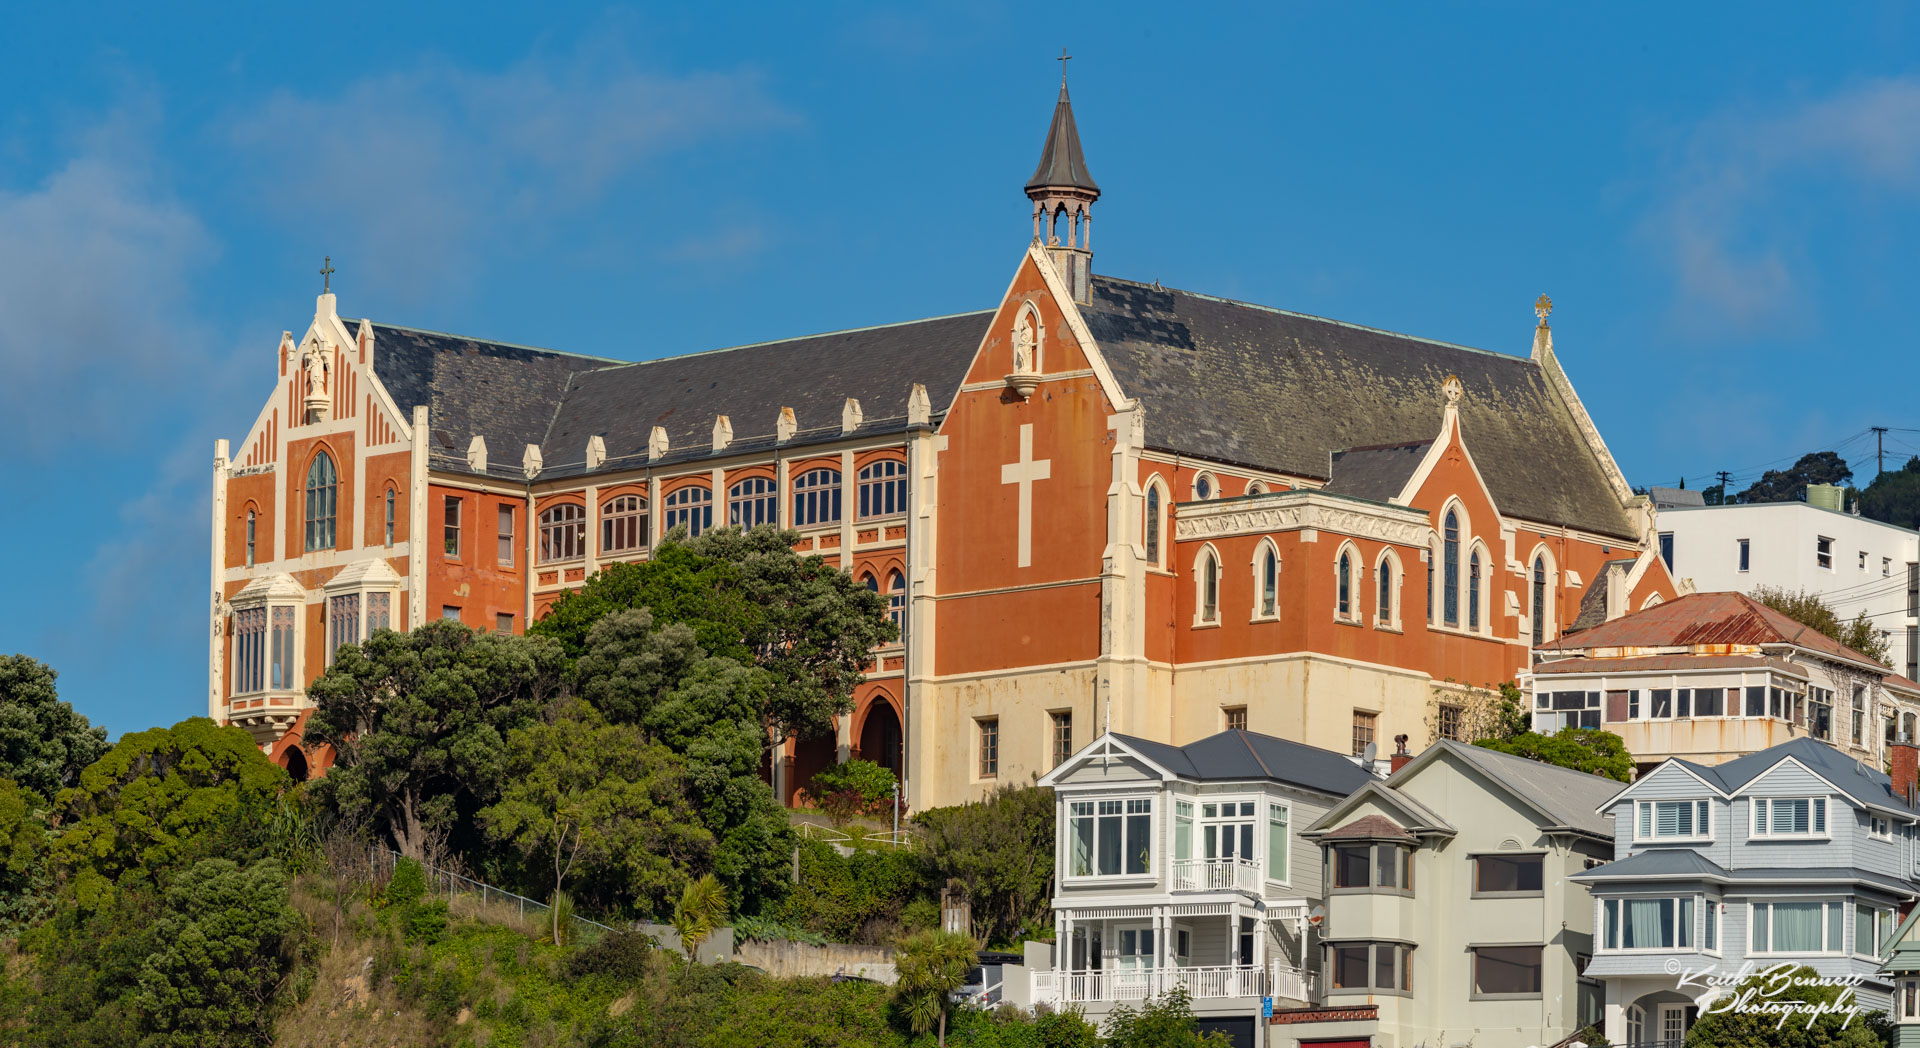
column 1125, row 801
column 1396, row 583
column 1260, row 553
column 1823, row 552
column 1266, row 833
column 1207, row 563
column 1819, row 814
column 1884, row 923
column 1906, row 1000
column 1879, row 827
column 1201, row 821
column 1356, row 614
column 1213, row 486
column 1652, row 821
column 1691, row 930
column 268, row 641
column 1826, row 925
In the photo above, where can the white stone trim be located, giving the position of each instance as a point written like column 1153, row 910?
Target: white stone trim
column 1300, row 510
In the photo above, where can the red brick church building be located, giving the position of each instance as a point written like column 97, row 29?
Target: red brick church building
column 1094, row 503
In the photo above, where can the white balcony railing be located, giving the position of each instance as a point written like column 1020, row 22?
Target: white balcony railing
column 1139, row 984
column 1204, row 875
column 1292, row 983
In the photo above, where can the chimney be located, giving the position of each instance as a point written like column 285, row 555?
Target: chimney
column 1904, row 758
column 1400, row 754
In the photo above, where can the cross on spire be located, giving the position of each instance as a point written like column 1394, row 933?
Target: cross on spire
column 326, row 276
column 1542, row 308
column 1063, row 60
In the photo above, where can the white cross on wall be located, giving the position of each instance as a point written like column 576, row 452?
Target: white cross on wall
column 1024, row 473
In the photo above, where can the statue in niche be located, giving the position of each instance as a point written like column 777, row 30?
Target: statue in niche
column 1023, row 346
column 316, row 370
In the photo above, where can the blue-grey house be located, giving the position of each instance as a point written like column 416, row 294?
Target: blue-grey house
column 1796, row 854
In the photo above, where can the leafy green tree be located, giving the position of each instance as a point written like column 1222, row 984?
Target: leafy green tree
column 1734, row 1020
column 747, row 596
column 931, row 966
column 707, row 709
column 855, row 787
column 225, row 944
column 419, row 723
column 1582, row 749
column 999, row 852
column 44, row 744
column 588, row 796
column 1790, row 485
column 1163, row 1023
column 24, row 876
column 701, row 911
column 1808, row 609
column 160, row 799
column 859, row 897
column 1894, row 496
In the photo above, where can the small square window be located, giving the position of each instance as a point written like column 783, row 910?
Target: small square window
column 503, row 623
column 1236, row 717
column 1451, row 719
column 450, row 612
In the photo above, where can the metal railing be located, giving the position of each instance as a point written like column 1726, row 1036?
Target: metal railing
column 1139, row 984
column 446, row 882
column 1202, row 875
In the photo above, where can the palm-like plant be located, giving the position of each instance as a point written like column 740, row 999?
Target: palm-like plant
column 701, row 910
column 931, row 966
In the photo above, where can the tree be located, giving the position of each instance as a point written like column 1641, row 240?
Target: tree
column 1739, row 1018
column 1163, row 1023
column 160, row 799
column 699, row 913
column 597, row 797
column 747, row 596
column 1790, row 485
column 1582, row 749
column 225, row 944
column 1894, row 496
column 24, row 876
column 999, row 852
column 419, row 722
column 1809, row 610
column 930, row 966
column 708, row 710
column 44, row 744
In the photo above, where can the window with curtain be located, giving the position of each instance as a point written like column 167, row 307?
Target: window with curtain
column 753, row 502
column 1269, row 583
column 1871, row 927
column 1110, row 838
column 1182, row 830
column 1153, row 525
column 690, row 507
column 1473, row 591
column 323, row 485
column 623, row 524
column 1450, row 570
column 563, row 532
column 1278, row 846
column 1797, row 927
column 1343, row 585
column 1648, row 924
column 816, row 498
column 883, row 488
column 1539, row 601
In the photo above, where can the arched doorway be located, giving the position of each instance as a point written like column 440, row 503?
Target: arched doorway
column 296, row 764
column 880, row 736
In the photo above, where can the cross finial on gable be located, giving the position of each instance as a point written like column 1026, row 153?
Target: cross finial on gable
column 1063, row 60
column 1542, row 308
column 326, row 276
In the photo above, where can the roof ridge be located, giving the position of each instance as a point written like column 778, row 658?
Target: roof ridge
column 1325, row 320
column 490, row 341
column 617, row 364
column 1248, row 743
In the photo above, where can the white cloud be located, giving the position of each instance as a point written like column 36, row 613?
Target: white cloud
column 423, row 171
column 1722, row 225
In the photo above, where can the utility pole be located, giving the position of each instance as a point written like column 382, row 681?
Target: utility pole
column 1725, row 479
column 1880, row 450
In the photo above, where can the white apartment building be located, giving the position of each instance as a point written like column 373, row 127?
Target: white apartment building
column 1853, row 563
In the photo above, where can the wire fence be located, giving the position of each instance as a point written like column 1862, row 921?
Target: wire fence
column 381, row 861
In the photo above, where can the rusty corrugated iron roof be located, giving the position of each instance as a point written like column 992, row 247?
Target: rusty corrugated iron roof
column 1707, row 620
column 1655, row 663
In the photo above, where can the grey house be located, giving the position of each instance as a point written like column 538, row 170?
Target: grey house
column 1184, row 866
column 1451, row 915
column 1796, row 854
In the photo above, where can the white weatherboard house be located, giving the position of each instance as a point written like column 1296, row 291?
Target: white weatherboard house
column 1855, row 564
column 1183, row 866
column 1795, row 854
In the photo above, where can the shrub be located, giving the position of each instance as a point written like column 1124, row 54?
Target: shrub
column 408, row 884
column 853, row 788
column 622, row 955
column 426, row 921
column 839, row 895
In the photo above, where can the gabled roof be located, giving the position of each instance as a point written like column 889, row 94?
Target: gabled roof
column 1707, row 619
column 1419, row 819
column 1657, row 663
column 1569, row 797
column 1379, row 472
column 1370, row 828
column 1593, row 605
column 1864, row 785
column 1656, row 863
column 1247, row 384
column 1245, row 756
column 1061, row 162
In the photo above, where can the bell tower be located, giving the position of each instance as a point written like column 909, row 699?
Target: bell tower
column 1063, row 193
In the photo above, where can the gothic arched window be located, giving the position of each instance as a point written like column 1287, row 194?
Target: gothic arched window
column 323, row 486
column 753, row 502
column 1385, row 606
column 1209, row 571
column 897, row 601
column 250, row 535
column 1344, row 576
column 1270, row 582
column 816, row 498
column 392, row 497
column 883, row 488
column 1539, row 600
column 1450, row 571
column 690, row 507
column 623, row 524
column 1473, row 591
column 563, row 532
column 1153, row 525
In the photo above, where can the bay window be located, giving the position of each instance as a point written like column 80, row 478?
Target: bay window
column 1110, row 838
column 1675, row 820
column 1648, row 924
column 1378, row 866
column 1796, row 927
column 343, row 622
column 1871, row 927
column 1226, row 830
column 1370, row 967
column 1789, row 817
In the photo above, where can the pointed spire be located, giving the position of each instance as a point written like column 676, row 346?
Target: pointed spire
column 1062, row 165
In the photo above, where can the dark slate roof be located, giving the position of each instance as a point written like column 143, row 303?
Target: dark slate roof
column 1061, row 162
column 1673, row 498
column 1379, row 472
column 1860, row 782
column 504, row 393
column 1372, row 828
column 1656, row 862
column 1593, row 604
column 1241, row 756
column 1248, row 384
column 515, row 395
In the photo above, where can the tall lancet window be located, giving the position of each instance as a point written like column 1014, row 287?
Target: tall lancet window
column 1344, row 576
column 1473, row 592
column 1270, row 583
column 390, row 507
column 1450, row 571
column 250, row 536
column 322, row 492
column 1153, row 525
column 1384, row 607
column 1539, row 601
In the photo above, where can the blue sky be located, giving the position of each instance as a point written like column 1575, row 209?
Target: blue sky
column 1720, row 201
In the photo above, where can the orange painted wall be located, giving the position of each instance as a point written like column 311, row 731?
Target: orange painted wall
column 475, row 581
column 300, row 456
column 243, row 493
column 383, row 470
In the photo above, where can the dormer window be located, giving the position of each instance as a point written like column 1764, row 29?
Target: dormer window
column 1673, row 820
column 1777, row 817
